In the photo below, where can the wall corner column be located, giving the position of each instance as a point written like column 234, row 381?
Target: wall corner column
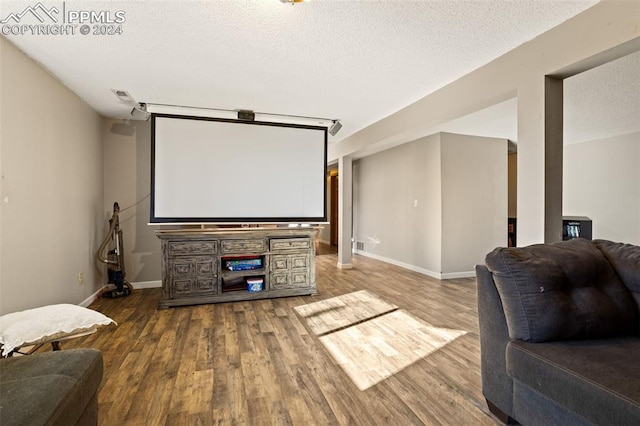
column 345, row 211
column 540, row 152
column 553, row 154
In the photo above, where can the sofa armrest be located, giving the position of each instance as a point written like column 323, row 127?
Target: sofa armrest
column 497, row 386
column 625, row 259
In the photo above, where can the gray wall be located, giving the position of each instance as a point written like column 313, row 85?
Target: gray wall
column 602, row 181
column 474, row 199
column 385, row 187
column 436, row 205
column 52, row 219
column 127, row 180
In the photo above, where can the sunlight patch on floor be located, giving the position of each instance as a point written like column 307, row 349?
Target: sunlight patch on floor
column 339, row 312
column 374, row 350
column 371, row 339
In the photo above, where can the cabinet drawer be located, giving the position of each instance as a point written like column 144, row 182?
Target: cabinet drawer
column 192, row 247
column 290, row 280
column 289, row 243
column 242, row 246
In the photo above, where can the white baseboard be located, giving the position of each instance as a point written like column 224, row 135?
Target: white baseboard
column 453, row 275
column 324, row 242
column 146, row 284
column 345, row 265
column 408, row 266
column 423, row 271
column 136, row 286
column 89, row 300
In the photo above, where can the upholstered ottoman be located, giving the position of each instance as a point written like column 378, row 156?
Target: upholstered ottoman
column 51, row 388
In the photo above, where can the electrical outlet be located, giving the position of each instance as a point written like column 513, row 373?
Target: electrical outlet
column 80, row 278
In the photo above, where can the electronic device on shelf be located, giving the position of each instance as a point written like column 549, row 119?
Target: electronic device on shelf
column 576, row 227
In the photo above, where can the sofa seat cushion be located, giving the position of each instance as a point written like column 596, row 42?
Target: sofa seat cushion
column 51, row 388
column 597, row 379
column 562, row 291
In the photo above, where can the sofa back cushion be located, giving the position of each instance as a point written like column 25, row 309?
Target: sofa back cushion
column 625, row 259
column 562, row 291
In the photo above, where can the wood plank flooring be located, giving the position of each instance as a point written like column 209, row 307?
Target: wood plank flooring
column 256, row 363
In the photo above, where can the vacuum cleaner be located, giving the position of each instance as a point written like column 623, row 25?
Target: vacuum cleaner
column 117, row 285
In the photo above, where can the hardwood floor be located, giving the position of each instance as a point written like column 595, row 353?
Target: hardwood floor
column 256, row 363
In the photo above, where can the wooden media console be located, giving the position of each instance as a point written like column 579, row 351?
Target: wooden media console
column 213, row 266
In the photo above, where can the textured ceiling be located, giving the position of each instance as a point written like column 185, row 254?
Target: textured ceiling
column 599, row 103
column 358, row 61
column 604, row 101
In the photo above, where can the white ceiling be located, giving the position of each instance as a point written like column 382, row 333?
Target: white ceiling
column 358, row 61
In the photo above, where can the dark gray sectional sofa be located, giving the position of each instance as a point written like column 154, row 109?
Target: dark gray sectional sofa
column 51, row 388
column 560, row 333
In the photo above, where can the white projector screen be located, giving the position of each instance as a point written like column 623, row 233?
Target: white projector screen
column 227, row 171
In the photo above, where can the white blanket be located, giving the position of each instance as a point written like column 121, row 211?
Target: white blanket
column 46, row 324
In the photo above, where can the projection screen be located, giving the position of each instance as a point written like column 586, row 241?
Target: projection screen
column 208, row 170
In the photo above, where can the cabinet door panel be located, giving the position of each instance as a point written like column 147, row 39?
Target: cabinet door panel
column 299, row 262
column 299, row 279
column 279, row 281
column 204, row 266
column 193, row 275
column 205, row 285
column 279, row 263
column 182, row 267
column 181, row 287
